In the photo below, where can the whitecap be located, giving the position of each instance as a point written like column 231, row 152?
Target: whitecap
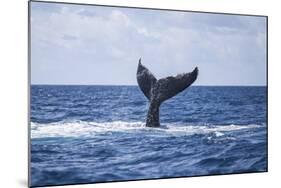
column 88, row 129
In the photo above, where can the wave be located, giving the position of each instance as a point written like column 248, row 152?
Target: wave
column 88, row 129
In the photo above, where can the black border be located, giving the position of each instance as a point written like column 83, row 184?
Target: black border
column 145, row 8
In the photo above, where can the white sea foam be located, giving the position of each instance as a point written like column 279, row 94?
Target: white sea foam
column 81, row 128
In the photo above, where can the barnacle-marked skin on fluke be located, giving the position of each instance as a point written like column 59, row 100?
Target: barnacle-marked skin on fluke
column 157, row 91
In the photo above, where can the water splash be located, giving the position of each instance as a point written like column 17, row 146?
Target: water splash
column 88, row 129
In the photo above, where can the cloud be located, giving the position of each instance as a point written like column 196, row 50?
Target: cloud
column 101, row 45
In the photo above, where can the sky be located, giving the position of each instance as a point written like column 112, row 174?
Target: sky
column 97, row 45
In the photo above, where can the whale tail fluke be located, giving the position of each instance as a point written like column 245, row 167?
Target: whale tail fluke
column 157, row 91
column 165, row 87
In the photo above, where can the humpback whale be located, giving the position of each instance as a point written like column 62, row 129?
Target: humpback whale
column 157, row 91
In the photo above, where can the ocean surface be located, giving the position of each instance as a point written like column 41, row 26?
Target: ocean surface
column 88, row 134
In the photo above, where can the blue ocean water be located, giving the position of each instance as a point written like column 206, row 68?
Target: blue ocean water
column 82, row 134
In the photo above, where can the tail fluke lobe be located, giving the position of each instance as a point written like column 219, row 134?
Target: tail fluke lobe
column 172, row 85
column 145, row 79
